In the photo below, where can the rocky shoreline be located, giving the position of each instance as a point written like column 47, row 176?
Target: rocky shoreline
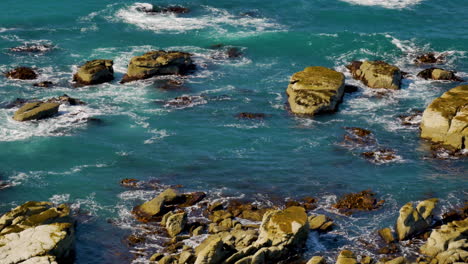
column 238, row 232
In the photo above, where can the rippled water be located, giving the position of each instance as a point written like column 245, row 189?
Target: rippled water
column 204, row 146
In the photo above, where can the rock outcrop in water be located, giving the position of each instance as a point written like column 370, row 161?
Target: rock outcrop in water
column 376, row 74
column 36, row 111
column 361, row 201
column 448, row 244
column 413, row 221
column 37, row 232
column 439, row 75
column 95, row 72
column 315, row 90
column 445, row 120
column 22, row 73
column 158, row 63
column 429, row 58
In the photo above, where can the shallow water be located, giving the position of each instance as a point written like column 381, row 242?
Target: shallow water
column 204, row 146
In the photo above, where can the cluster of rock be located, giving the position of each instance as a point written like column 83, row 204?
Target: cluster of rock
column 37, row 233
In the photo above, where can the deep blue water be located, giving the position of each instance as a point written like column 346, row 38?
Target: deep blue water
column 204, row 146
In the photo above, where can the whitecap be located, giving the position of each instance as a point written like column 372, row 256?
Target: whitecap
column 214, row 18
column 390, row 4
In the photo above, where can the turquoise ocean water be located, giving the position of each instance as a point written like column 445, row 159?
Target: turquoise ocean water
column 203, row 146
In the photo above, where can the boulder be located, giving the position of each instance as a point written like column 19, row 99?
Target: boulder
column 346, row 257
column 445, row 120
column 399, row 260
column 246, row 210
column 211, row 251
column 158, row 63
column 387, row 235
column 53, row 239
column 36, row 111
column 157, row 206
column 361, row 201
column 439, row 75
column 95, row 72
column 288, row 227
column 175, row 223
column 40, row 260
column 320, row 223
column 413, row 221
column 316, row 260
column 22, row 73
column 315, row 90
column 448, row 244
column 376, row 74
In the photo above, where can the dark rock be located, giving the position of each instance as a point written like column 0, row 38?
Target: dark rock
column 163, row 10
column 362, row 201
column 192, row 198
column 411, row 119
column 359, row 136
column 251, row 115
column 44, row 84
column 456, row 214
column 389, row 249
column 380, row 155
column 65, row 99
column 353, row 67
column 129, row 182
column 246, row 210
column 169, row 84
column 428, row 58
column 32, row 48
column 350, row 88
column 233, row 52
column 22, row 73
column 185, row 100
column 133, row 240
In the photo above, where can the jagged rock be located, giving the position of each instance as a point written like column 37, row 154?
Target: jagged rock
column 168, row 259
column 158, row 205
column 366, row 260
column 411, row 119
column 150, row 9
column 429, row 58
column 376, row 74
column 445, row 120
column 439, row 75
column 158, row 63
column 32, row 214
column 346, row 257
column 95, row 72
column 36, row 111
column 448, row 244
column 176, row 223
column 359, row 136
column 412, row 221
column 361, row 201
column 156, row 256
column 186, row 257
column 22, row 73
column 315, row 90
column 380, row 155
column 399, row 260
column 387, row 235
column 246, row 210
column 53, row 239
column 316, row 260
column 129, row 182
column 320, row 223
column 211, row 251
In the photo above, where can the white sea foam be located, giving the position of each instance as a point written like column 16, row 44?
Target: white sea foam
column 214, row 18
column 390, row 4
column 60, row 198
column 69, row 119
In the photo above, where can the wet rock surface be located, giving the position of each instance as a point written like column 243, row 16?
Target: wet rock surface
column 36, row 111
column 22, row 73
column 429, row 58
column 439, row 75
column 32, row 48
column 361, row 201
column 315, row 90
column 95, row 72
column 376, row 74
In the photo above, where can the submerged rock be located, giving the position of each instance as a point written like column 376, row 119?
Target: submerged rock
column 44, row 84
column 32, row 48
column 95, row 72
column 448, row 244
column 246, row 115
column 439, row 75
column 37, row 233
column 36, row 111
column 380, row 155
column 413, row 221
column 376, row 74
column 158, row 63
column 429, row 58
column 359, row 136
column 65, row 99
column 361, row 201
column 169, row 84
column 150, row 9
column 22, row 73
column 445, row 120
column 412, row 119
column 315, row 90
